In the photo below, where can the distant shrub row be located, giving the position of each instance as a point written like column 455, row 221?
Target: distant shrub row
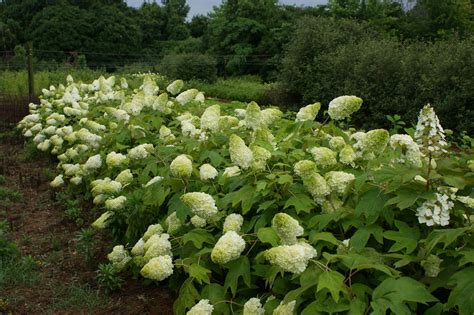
column 327, row 58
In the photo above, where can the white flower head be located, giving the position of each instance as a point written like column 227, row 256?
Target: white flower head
column 152, row 230
column 119, row 257
column 210, row 118
column 207, row 171
column 240, row 154
column 253, row 116
column 158, row 268
column 181, row 166
column 287, row 228
column 201, row 308
column 101, row 222
column 228, row 248
column 308, row 112
column 201, row 204
column 141, row 151
column 339, row 181
column 198, row 222
column 231, row 171
column 429, row 134
column 116, row 203
column 175, row 87
column 139, row 248
column 291, row 258
column 344, row 106
column 154, row 180
column 124, row 177
column 323, row 156
column 57, row 181
column 173, row 223
column 186, row 96
column 157, row 245
column 285, row 308
column 233, row 222
column 253, row 307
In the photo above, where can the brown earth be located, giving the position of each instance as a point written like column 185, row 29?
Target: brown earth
column 40, row 229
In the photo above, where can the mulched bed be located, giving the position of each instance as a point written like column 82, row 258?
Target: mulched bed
column 40, row 229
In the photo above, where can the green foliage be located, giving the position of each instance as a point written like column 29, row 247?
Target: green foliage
column 75, row 297
column 189, row 67
column 86, row 244
column 73, row 212
column 352, row 236
column 327, row 58
column 108, row 278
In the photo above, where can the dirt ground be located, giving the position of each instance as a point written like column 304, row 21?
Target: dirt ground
column 40, row 229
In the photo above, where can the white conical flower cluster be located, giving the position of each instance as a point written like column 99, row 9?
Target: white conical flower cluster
column 203, row 307
column 181, row 166
column 158, row 268
column 253, row 307
column 291, row 258
column 308, row 112
column 285, row 308
column 429, row 134
column 119, row 257
column 240, row 154
column 233, row 222
column 207, row 171
column 344, row 106
column 201, row 204
column 339, row 181
column 287, row 228
column 228, row 248
column 312, row 180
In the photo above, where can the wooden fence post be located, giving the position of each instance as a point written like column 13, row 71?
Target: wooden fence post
column 31, row 82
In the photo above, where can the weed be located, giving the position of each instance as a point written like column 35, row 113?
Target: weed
column 29, row 153
column 10, row 195
column 76, row 297
column 108, row 278
column 85, row 244
column 2, row 180
column 18, row 271
column 73, row 212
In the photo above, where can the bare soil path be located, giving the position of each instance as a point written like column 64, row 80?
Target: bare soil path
column 63, row 283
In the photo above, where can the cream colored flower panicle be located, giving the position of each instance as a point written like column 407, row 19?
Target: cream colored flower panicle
column 166, row 135
column 139, row 248
column 231, row 171
column 124, row 177
column 468, row 201
column 101, row 222
column 344, row 106
column 324, row 157
column 270, row 115
column 372, row 143
column 152, row 181
column 347, row 155
column 198, row 222
column 228, row 248
column 158, row 268
column 429, row 134
column 116, row 203
column 287, row 228
column 201, row 204
column 432, row 266
column 291, row 258
column 410, row 150
column 57, row 181
column 308, row 112
column 253, row 116
column 157, row 245
column 233, row 222
column 337, row 143
column 339, row 181
column 240, row 154
column 119, row 257
column 201, row 308
column 105, row 186
column 152, row 230
column 186, row 96
column 175, row 87
column 181, row 166
column 114, row 159
column 210, row 118
column 285, row 308
column 312, row 180
column 260, row 157
column 253, row 307
column 207, row 171
column 141, row 151
column 173, row 223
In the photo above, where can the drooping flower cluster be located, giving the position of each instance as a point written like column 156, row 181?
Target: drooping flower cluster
column 312, row 180
column 203, row 307
column 429, row 134
column 339, row 181
column 285, row 308
column 158, row 268
column 432, row 265
column 210, row 118
column 291, row 258
column 344, row 106
column 119, row 257
column 287, row 228
column 181, row 166
column 324, row 157
column 233, row 222
column 201, row 204
column 228, row 248
column 308, row 112
column 253, row 307
column 240, row 154
column 207, row 171
column 141, row 151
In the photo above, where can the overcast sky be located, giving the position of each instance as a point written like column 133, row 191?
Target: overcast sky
column 204, row 6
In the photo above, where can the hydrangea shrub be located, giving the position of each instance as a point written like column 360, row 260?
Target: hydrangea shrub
column 255, row 211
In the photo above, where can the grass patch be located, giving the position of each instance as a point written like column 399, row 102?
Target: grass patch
column 76, row 297
column 15, row 272
column 243, row 89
